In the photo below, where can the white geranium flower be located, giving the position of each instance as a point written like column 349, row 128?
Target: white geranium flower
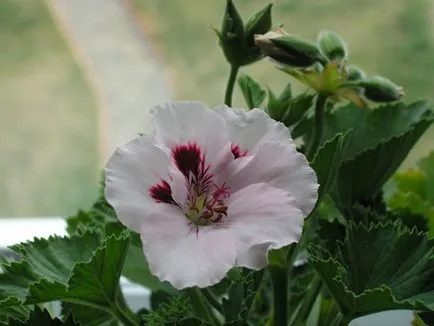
column 210, row 190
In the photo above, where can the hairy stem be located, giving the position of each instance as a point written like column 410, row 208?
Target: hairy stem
column 200, row 306
column 279, row 278
column 212, row 300
column 126, row 317
column 308, row 302
column 231, row 84
column 317, row 131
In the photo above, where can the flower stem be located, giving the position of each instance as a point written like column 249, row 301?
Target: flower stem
column 212, row 300
column 308, row 302
column 317, row 131
column 230, row 85
column 200, row 306
column 125, row 309
column 279, row 278
column 124, row 316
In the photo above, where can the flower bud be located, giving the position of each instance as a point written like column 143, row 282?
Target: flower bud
column 380, row 89
column 237, row 40
column 289, row 50
column 259, row 23
column 332, row 45
column 232, row 36
column 232, row 26
column 354, row 73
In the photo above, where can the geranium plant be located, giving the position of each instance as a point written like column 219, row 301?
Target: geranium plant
column 288, row 211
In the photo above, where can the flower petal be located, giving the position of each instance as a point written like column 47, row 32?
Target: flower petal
column 129, row 174
column 191, row 122
column 255, row 257
column 178, row 254
column 250, row 129
column 262, row 218
column 279, row 165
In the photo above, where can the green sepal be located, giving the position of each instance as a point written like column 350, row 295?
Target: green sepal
column 259, row 23
column 304, row 53
column 332, row 45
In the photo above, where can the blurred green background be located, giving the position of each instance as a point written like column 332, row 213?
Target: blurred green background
column 48, row 119
column 50, row 134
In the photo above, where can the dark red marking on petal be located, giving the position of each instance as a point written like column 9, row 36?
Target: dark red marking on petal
column 162, row 193
column 236, row 151
column 190, row 160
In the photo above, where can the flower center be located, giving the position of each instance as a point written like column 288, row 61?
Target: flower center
column 206, row 201
column 208, row 207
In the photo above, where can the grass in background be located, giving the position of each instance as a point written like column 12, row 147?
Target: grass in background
column 48, row 120
column 389, row 37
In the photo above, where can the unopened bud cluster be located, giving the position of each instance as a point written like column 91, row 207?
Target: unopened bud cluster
column 328, row 54
column 237, row 38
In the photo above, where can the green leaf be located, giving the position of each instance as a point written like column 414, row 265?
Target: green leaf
column 251, row 281
column 277, row 107
column 286, row 95
column 170, row 313
column 77, row 270
column 327, row 162
column 136, row 267
column 427, row 166
column 102, row 217
column 412, row 192
column 96, row 282
column 233, row 304
column 274, row 108
column 329, row 313
column 16, row 312
column 370, row 127
column 40, row 317
column 379, row 267
column 240, row 296
column 96, row 217
column 158, row 298
column 299, row 280
column 137, row 270
column 362, row 177
column 51, row 260
column 298, row 106
column 253, row 93
column 279, row 257
column 88, row 316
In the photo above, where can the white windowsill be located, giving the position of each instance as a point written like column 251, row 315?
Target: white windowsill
column 20, row 229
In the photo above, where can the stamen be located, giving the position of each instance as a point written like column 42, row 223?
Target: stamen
column 236, row 151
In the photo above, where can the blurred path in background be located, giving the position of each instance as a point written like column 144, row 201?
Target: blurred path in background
column 127, row 76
